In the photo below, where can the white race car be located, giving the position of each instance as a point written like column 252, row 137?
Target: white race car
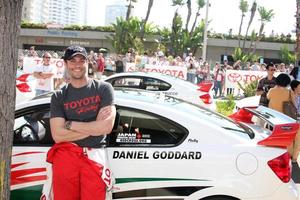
column 165, row 148
column 200, row 94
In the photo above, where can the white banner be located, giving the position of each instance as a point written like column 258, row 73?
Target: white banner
column 30, row 63
column 242, row 76
column 176, row 71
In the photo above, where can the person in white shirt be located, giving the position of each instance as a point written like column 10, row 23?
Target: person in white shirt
column 44, row 75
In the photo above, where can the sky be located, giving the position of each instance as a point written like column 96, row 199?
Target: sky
column 223, row 14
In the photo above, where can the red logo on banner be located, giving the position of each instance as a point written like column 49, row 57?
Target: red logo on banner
column 234, row 77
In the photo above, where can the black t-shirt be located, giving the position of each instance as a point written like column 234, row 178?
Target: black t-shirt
column 265, row 85
column 82, row 104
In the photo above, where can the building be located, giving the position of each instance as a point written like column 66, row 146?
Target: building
column 63, row 12
column 67, row 12
column 36, row 11
column 116, row 9
column 112, row 12
column 58, row 40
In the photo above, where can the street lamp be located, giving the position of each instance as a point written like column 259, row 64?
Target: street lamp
column 205, row 33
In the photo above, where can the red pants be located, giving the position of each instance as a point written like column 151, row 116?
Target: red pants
column 74, row 177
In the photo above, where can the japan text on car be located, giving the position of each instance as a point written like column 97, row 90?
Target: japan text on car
column 165, row 148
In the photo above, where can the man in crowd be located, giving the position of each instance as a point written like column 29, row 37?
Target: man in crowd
column 265, row 84
column 44, row 75
column 101, row 66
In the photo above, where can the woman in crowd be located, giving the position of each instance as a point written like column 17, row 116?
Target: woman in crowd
column 280, row 93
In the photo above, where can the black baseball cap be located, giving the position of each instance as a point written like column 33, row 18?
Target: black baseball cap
column 73, row 51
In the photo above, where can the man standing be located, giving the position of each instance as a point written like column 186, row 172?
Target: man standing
column 82, row 113
column 101, row 66
column 44, row 75
column 265, row 84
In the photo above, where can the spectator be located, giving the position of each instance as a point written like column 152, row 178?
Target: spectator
column 295, row 72
column 32, row 52
column 265, row 84
column 44, row 75
column 100, row 66
column 280, row 93
column 255, row 66
column 145, row 60
column 219, row 77
column 119, row 64
column 191, row 71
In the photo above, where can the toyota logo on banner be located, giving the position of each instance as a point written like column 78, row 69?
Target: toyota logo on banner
column 234, row 77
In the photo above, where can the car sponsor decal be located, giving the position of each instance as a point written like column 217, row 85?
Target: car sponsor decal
column 136, row 137
column 24, row 174
column 159, row 192
column 177, row 155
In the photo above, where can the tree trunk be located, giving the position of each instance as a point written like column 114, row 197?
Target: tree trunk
column 253, row 10
column 195, row 21
column 128, row 13
column 297, row 50
column 240, row 30
column 10, row 18
column 144, row 22
column 189, row 6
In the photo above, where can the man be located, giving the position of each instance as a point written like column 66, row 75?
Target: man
column 82, row 113
column 265, row 84
column 295, row 72
column 101, row 66
column 44, row 75
column 255, row 66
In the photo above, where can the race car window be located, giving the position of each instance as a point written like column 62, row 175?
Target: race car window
column 155, row 84
column 127, row 82
column 32, row 128
column 139, row 128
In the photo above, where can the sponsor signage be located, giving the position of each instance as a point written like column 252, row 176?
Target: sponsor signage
column 176, row 71
column 233, row 77
column 137, row 138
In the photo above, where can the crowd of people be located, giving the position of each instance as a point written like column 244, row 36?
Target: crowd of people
column 198, row 70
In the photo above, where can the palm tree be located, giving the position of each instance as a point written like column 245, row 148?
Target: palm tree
column 253, row 10
column 201, row 4
column 176, row 27
column 189, row 6
column 297, row 50
column 265, row 16
column 130, row 6
column 244, row 8
column 144, row 22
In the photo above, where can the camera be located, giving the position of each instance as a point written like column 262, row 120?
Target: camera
column 266, row 88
